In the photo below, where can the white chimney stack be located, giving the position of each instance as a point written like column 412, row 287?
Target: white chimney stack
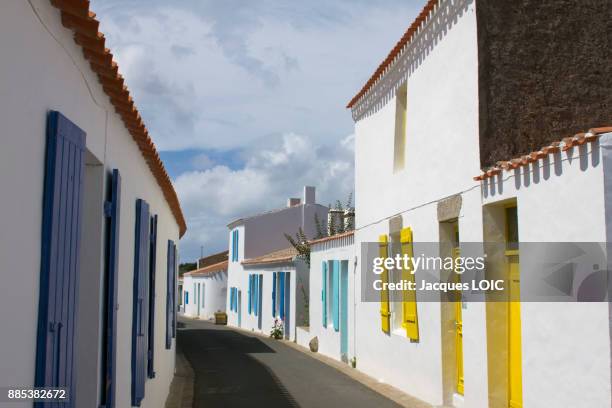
column 309, row 195
column 292, row 202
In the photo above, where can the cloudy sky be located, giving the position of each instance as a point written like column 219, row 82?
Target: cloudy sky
column 245, row 100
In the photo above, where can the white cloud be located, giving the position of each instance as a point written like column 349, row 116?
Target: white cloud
column 214, row 197
column 202, row 162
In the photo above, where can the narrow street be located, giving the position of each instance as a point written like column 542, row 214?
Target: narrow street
column 235, row 369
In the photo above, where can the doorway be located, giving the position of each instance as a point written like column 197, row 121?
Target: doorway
column 344, row 311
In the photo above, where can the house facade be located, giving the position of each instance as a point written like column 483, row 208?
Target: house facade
column 332, row 297
column 257, row 236
column 205, row 289
column 277, row 292
column 451, row 150
column 91, row 225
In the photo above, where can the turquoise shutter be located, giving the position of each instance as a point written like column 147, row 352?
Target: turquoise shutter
column 274, row 294
column 250, row 300
column 139, row 307
column 256, row 283
column 111, row 212
column 335, row 294
column 170, row 272
column 237, row 241
column 60, row 262
column 282, row 295
column 152, row 259
column 324, row 292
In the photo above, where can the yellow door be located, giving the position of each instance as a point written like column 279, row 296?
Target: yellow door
column 514, row 334
column 458, row 332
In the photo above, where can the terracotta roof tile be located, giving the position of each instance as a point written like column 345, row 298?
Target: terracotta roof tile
column 406, row 38
column 77, row 17
column 554, row 147
column 332, row 238
column 208, row 270
column 283, row 255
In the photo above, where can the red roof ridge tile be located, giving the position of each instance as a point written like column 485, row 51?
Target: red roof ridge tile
column 564, row 144
column 331, row 237
column 386, row 63
column 77, row 17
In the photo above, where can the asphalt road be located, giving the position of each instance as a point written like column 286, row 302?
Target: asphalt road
column 235, row 369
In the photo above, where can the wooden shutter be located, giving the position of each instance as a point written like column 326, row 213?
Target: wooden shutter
column 324, row 292
column 336, row 294
column 409, row 305
column 109, row 352
column 274, row 294
column 170, row 272
column 250, row 300
column 383, row 252
column 175, row 258
column 140, row 302
column 151, row 332
column 282, row 295
column 60, row 261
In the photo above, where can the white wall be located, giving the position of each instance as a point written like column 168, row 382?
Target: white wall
column 213, row 294
column 44, row 69
column 441, row 156
column 566, row 346
column 298, row 273
column 329, row 339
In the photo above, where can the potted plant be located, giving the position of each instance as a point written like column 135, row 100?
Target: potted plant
column 277, row 329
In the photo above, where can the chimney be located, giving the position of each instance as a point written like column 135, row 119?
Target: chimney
column 292, row 202
column 309, row 195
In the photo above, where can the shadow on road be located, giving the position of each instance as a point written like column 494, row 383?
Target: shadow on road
column 226, row 375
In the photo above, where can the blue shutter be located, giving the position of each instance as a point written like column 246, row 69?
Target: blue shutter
column 335, row 290
column 282, row 294
column 256, row 292
column 60, row 263
column 186, row 297
column 109, row 353
column 237, row 241
column 174, row 289
column 250, row 300
column 152, row 260
column 274, row 294
column 324, row 292
column 140, row 302
column 170, row 271
column 260, row 297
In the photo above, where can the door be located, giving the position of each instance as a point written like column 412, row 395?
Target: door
column 287, row 303
column 344, row 311
column 109, row 345
column 239, row 308
column 514, row 333
column 60, row 263
column 199, row 305
column 459, row 383
column 515, row 386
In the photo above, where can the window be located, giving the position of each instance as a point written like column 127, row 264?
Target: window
column 399, row 146
column 140, row 301
column 235, row 241
column 279, row 280
column 151, row 290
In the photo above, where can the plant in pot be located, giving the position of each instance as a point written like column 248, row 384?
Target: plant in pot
column 277, row 329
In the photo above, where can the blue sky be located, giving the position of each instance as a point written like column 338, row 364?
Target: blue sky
column 245, row 100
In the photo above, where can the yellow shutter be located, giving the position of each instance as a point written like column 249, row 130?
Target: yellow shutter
column 409, row 305
column 385, row 313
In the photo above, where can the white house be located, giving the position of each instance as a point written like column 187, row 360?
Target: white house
column 450, row 100
column 259, row 235
column 205, row 289
column 332, row 297
column 90, row 220
column 277, row 292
